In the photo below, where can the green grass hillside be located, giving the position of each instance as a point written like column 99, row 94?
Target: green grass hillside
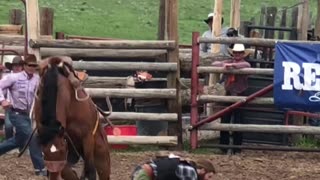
column 135, row 19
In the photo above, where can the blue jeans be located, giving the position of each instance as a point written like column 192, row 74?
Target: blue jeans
column 8, row 127
column 22, row 123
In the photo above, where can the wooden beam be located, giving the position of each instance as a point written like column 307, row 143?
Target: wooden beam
column 174, row 105
column 83, row 53
column 15, row 16
column 303, row 20
column 259, row 71
column 281, row 129
column 143, row 116
column 233, row 99
column 235, row 14
column 120, row 82
column 317, row 26
column 216, row 24
column 294, row 23
column 270, row 21
column 152, row 140
column 163, row 24
column 11, row 29
column 262, row 19
column 17, row 40
column 46, row 21
column 283, row 22
column 133, row 93
column 125, row 66
column 100, row 44
column 33, row 25
column 215, row 48
column 251, row 41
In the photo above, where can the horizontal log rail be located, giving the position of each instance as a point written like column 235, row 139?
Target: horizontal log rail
column 132, row 93
column 125, row 66
column 17, row 40
column 10, row 29
column 143, row 116
column 258, row 71
column 288, row 29
column 263, row 147
column 101, row 82
column 107, row 53
column 151, row 140
column 282, row 129
column 99, row 44
column 233, row 99
column 250, row 41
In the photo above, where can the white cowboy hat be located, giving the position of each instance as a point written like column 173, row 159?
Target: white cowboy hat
column 210, row 18
column 239, row 48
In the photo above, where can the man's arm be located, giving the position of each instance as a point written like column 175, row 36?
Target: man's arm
column 239, row 65
column 220, row 63
column 5, row 83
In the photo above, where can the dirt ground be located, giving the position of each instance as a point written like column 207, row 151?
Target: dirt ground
column 248, row 166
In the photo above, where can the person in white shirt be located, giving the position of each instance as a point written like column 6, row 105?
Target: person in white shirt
column 206, row 47
column 15, row 66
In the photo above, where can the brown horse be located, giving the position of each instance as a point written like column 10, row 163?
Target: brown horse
column 68, row 124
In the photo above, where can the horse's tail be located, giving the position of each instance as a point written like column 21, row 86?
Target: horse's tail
column 49, row 123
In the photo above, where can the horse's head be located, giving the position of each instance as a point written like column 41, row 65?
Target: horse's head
column 55, row 153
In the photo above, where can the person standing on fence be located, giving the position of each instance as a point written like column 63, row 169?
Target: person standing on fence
column 234, row 85
column 174, row 167
column 15, row 67
column 22, row 88
column 206, row 47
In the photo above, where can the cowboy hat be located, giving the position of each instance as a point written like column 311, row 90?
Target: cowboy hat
column 16, row 61
column 239, row 48
column 210, row 18
column 31, row 60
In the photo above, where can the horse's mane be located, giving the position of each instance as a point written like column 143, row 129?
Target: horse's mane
column 50, row 126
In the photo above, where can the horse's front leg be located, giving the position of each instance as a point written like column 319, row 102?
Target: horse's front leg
column 69, row 174
column 88, row 157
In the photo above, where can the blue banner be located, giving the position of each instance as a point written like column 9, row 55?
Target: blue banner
column 297, row 76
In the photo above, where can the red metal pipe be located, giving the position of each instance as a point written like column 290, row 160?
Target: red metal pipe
column 300, row 113
column 194, row 88
column 9, row 50
column 233, row 106
column 287, row 118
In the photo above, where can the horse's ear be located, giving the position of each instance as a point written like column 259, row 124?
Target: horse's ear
column 61, row 131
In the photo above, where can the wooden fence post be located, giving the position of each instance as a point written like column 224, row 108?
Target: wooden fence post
column 283, row 22
column 294, row 17
column 244, row 30
column 317, row 24
column 262, row 19
column 162, row 26
column 215, row 48
column 270, row 21
column 174, row 106
column 303, row 20
column 15, row 16
column 46, row 21
column 235, row 14
column 33, row 24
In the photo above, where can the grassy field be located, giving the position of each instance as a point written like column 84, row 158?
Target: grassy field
column 136, row 19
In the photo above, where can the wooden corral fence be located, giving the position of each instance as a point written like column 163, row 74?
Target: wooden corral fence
column 197, row 99
column 106, row 48
column 295, row 23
